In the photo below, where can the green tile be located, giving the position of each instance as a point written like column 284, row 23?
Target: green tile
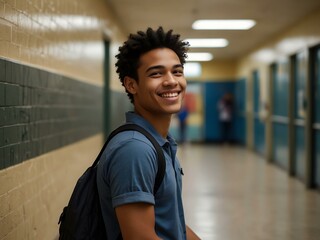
column 11, row 135
column 25, row 150
column 16, row 158
column 8, row 73
column 2, row 116
column 34, row 96
column 34, row 78
column 6, row 157
column 43, row 77
column 24, row 133
column 2, row 165
column 26, row 99
column 12, row 95
column 2, row 94
column 24, row 114
column 2, row 70
column 2, row 143
column 17, row 74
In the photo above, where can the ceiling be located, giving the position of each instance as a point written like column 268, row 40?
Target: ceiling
column 272, row 17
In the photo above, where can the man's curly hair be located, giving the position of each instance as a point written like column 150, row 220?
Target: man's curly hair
column 142, row 42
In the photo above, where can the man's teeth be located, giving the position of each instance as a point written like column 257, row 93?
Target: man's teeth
column 169, row 95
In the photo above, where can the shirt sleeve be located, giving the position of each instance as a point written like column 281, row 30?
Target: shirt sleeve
column 131, row 173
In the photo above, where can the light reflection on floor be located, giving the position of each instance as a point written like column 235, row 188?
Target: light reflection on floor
column 231, row 193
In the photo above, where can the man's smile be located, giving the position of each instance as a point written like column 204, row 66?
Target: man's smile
column 169, row 94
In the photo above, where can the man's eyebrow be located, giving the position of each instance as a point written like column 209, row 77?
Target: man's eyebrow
column 178, row 66
column 154, row 67
column 161, row 67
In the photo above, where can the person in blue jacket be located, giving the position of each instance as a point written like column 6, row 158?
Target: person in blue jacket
column 182, row 116
column 150, row 67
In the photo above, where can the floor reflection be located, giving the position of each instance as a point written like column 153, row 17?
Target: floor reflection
column 231, row 193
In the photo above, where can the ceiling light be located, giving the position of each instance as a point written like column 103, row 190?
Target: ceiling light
column 206, row 24
column 207, row 42
column 198, row 57
column 192, row 69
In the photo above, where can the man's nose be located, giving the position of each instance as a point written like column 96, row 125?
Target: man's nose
column 170, row 79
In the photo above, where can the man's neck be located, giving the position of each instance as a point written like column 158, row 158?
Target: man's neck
column 161, row 123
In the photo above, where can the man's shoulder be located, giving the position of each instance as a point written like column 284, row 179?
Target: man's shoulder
column 131, row 143
column 127, row 149
column 131, row 137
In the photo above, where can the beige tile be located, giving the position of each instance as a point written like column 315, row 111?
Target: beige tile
column 5, row 31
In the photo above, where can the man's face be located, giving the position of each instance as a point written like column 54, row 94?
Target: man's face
column 161, row 85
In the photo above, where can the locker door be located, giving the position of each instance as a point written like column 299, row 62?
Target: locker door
column 213, row 92
column 258, row 125
column 316, row 122
column 301, row 76
column 280, row 119
column 240, row 112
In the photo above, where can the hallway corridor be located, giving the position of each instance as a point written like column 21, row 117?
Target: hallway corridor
column 231, row 193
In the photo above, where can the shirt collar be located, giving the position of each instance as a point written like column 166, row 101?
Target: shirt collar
column 137, row 119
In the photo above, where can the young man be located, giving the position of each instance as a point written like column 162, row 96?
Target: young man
column 150, row 67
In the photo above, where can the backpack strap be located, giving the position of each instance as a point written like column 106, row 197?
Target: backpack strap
column 161, row 159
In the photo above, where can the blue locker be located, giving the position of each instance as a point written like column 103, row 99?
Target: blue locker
column 316, row 122
column 213, row 93
column 280, row 120
column 240, row 112
column 258, row 124
column 300, row 79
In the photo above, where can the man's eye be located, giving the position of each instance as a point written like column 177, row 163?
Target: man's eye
column 178, row 72
column 155, row 74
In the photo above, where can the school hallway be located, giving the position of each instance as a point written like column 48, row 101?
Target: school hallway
column 231, row 193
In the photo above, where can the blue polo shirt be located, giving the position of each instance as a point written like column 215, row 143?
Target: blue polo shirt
column 126, row 174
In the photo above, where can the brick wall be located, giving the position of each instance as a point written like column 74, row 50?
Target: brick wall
column 51, row 80
column 32, row 194
column 65, row 36
column 42, row 111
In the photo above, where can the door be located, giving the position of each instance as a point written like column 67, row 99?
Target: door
column 258, row 124
column 280, row 119
column 316, row 116
column 300, row 79
column 213, row 93
column 240, row 135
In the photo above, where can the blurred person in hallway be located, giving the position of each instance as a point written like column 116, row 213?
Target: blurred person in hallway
column 150, row 67
column 182, row 116
column 226, row 108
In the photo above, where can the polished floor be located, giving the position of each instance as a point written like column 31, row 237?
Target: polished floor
column 231, row 193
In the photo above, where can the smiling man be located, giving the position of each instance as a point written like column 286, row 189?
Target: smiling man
column 150, row 67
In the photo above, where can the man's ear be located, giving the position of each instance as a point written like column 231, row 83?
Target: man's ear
column 130, row 84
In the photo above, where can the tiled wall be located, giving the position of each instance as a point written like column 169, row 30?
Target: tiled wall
column 51, row 81
column 65, row 36
column 42, row 111
column 33, row 194
column 41, row 115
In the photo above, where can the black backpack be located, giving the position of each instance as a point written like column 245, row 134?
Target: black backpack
column 82, row 218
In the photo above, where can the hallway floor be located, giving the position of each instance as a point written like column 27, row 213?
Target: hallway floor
column 231, row 193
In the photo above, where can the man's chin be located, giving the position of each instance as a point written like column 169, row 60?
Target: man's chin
column 174, row 111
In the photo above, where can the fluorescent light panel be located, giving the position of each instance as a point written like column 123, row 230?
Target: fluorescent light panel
column 207, row 42
column 199, row 57
column 192, row 69
column 207, row 24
